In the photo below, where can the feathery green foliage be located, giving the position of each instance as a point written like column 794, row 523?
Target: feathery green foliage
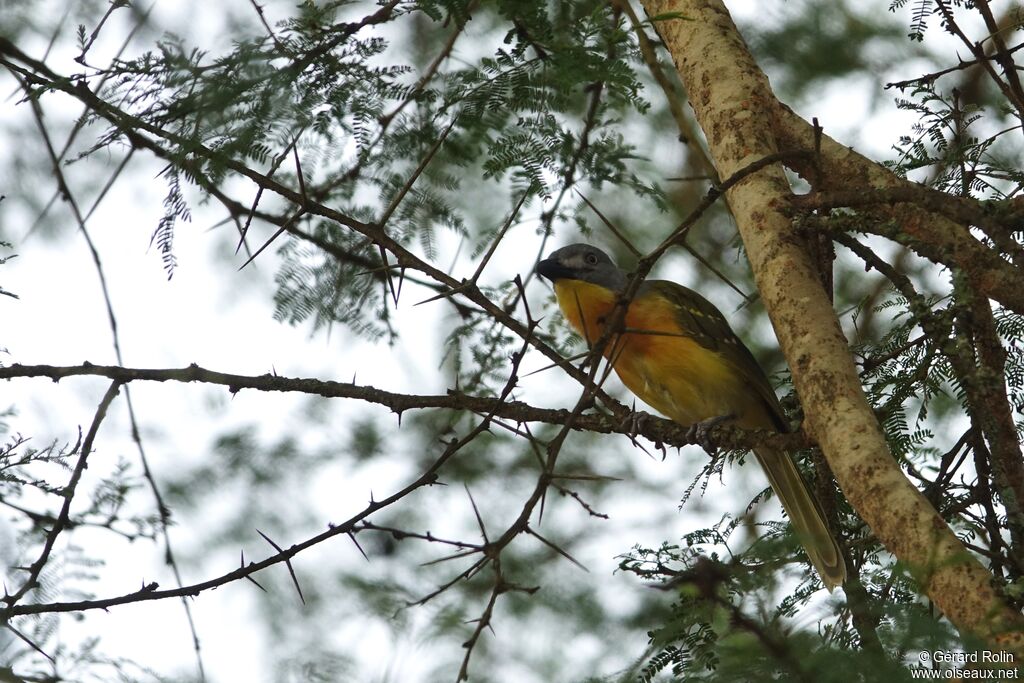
column 414, row 147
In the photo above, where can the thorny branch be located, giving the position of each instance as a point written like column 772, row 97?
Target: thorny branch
column 996, row 219
column 131, row 126
column 499, row 407
column 658, row 430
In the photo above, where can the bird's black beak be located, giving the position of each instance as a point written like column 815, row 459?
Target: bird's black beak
column 553, row 270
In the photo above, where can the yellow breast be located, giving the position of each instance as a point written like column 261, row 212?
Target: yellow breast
column 666, row 369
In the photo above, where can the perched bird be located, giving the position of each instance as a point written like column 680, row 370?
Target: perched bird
column 678, row 354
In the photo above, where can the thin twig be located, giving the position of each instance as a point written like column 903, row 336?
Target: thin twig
column 68, row 494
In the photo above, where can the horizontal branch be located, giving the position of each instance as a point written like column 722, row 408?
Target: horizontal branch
column 929, row 232
column 133, row 128
column 998, row 215
column 960, row 66
column 151, row 591
column 658, row 430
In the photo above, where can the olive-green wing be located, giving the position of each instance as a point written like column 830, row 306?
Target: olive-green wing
column 699, row 319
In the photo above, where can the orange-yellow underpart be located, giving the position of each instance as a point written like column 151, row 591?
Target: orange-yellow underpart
column 669, row 371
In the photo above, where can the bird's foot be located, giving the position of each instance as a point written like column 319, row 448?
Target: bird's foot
column 632, row 426
column 700, row 432
column 633, row 423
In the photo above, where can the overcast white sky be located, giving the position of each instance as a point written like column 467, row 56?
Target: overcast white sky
column 220, row 319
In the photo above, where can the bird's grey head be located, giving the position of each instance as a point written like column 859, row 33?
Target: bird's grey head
column 582, row 262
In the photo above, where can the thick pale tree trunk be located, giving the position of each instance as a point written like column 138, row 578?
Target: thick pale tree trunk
column 736, row 108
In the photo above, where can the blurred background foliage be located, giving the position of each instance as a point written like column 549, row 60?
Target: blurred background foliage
column 551, row 101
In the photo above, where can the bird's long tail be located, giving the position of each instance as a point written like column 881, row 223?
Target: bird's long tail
column 805, row 514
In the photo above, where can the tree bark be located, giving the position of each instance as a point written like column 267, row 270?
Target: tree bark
column 736, row 109
column 931, row 234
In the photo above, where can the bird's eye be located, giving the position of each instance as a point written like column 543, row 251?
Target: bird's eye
column 591, row 259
